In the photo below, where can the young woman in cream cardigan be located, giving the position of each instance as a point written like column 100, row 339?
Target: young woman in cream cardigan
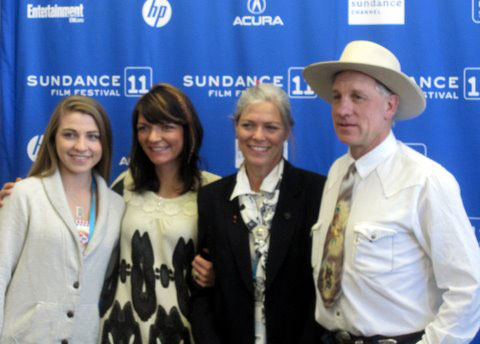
column 57, row 231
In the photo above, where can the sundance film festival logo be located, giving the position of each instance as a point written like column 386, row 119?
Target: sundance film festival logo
column 376, row 12
column 476, row 11
column 257, row 7
column 441, row 87
column 157, row 13
column 471, row 83
column 90, row 85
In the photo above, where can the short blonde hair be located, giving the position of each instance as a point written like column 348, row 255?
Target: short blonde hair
column 266, row 93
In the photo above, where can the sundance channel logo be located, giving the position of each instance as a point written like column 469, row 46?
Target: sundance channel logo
column 376, row 12
column 257, row 16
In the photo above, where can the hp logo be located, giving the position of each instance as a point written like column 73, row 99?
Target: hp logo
column 256, row 6
column 157, row 13
column 33, row 146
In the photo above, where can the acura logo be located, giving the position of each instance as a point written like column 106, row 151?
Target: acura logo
column 257, row 6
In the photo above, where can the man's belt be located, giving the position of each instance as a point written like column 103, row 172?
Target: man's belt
column 343, row 337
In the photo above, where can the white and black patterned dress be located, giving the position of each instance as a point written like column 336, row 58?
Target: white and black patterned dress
column 157, row 245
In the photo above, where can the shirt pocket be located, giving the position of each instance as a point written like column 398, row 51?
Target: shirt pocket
column 373, row 248
column 316, row 244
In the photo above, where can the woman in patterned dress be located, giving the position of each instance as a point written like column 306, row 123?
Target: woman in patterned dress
column 146, row 298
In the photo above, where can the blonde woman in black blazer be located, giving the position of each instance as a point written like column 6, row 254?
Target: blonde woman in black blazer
column 256, row 225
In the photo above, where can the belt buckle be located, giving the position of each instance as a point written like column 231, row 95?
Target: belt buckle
column 344, row 336
column 387, row 341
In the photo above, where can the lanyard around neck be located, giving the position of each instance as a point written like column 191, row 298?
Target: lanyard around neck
column 92, row 211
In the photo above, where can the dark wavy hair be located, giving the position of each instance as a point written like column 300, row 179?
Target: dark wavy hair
column 167, row 104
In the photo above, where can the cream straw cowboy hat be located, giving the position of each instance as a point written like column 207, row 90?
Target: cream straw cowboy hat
column 376, row 61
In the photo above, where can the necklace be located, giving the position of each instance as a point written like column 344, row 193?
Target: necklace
column 86, row 227
column 260, row 233
column 79, row 212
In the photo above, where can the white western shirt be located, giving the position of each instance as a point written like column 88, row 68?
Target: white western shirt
column 412, row 261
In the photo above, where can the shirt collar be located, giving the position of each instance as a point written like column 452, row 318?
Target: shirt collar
column 370, row 161
column 242, row 185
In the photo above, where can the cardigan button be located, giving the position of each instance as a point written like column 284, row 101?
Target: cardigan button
column 76, row 285
column 70, row 314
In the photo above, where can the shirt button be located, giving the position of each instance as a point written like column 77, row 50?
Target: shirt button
column 337, row 313
column 64, row 341
column 70, row 314
column 76, row 285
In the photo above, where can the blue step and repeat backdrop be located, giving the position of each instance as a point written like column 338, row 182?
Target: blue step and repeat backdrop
column 115, row 50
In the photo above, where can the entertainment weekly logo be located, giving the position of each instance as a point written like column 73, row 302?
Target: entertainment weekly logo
column 74, row 14
column 376, row 12
column 134, row 82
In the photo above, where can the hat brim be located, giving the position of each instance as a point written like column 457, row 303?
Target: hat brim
column 412, row 101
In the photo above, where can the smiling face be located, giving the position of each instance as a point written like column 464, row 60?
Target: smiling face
column 362, row 114
column 162, row 143
column 77, row 142
column 261, row 133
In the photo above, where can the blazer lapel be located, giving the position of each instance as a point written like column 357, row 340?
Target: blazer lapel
column 101, row 209
column 237, row 234
column 56, row 194
column 284, row 224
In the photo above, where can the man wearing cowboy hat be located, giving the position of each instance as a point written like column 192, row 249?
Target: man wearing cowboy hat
column 395, row 257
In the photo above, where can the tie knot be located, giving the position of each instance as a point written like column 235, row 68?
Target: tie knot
column 346, row 187
column 351, row 171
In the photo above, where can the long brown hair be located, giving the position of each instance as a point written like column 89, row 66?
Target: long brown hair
column 47, row 160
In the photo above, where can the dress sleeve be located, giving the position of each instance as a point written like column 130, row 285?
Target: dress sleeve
column 202, row 318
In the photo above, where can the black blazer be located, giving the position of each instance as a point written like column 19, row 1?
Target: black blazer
column 225, row 313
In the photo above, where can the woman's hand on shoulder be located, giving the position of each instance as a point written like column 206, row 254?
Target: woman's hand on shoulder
column 7, row 190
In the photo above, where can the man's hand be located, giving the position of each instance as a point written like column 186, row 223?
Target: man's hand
column 202, row 271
